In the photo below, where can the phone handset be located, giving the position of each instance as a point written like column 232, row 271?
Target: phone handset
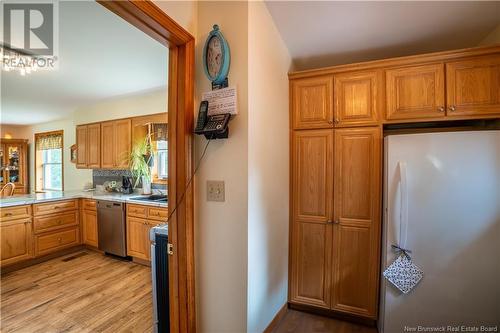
column 202, row 117
column 213, row 127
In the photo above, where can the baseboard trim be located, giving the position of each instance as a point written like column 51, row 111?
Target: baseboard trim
column 276, row 320
column 333, row 314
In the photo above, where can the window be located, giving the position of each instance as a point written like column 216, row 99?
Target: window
column 49, row 161
column 162, row 153
column 52, row 169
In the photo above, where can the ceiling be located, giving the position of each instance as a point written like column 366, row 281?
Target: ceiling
column 327, row 33
column 100, row 57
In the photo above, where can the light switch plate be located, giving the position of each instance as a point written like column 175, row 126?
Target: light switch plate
column 215, row 190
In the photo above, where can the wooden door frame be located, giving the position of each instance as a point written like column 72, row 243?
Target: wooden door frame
column 149, row 18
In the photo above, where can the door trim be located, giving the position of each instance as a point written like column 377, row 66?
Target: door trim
column 149, row 18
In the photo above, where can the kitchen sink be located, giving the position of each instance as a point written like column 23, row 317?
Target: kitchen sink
column 151, row 198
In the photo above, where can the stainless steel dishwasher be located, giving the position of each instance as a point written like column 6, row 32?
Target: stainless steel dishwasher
column 111, row 227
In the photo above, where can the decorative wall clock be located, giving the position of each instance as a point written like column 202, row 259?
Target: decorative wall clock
column 216, row 58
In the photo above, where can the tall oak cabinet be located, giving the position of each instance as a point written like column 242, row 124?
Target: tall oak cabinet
column 335, row 194
column 337, row 119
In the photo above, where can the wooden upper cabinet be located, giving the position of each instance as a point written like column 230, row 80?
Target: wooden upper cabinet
column 123, row 142
column 311, row 243
column 313, row 175
column 357, row 98
column 116, row 141
column 107, row 145
column 473, row 86
column 415, row 92
column 94, row 146
column 312, row 102
column 357, row 219
column 81, row 146
column 88, row 146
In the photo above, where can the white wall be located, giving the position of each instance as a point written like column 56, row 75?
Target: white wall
column 221, row 227
column 140, row 104
column 16, row 132
column 242, row 244
column 268, row 169
column 184, row 12
column 492, row 38
column 115, row 108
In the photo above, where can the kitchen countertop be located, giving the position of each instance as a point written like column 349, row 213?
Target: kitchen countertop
column 34, row 198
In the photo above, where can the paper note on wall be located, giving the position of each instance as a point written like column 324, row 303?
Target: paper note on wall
column 221, row 101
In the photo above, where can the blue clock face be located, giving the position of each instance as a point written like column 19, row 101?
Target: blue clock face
column 214, row 56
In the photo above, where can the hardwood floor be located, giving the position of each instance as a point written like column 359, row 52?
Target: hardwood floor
column 303, row 322
column 82, row 292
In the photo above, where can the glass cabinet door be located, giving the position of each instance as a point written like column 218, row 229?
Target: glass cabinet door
column 14, row 164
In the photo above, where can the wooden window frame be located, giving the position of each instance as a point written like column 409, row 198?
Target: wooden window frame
column 149, row 18
column 37, row 135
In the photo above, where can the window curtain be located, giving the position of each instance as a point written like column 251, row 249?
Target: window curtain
column 49, row 141
column 160, row 132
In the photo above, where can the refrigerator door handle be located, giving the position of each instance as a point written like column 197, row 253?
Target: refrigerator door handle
column 403, row 217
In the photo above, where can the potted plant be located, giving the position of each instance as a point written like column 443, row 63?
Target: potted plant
column 141, row 161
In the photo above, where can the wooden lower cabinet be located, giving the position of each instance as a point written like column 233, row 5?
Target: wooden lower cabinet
column 312, row 188
column 140, row 220
column 16, row 241
column 335, row 251
column 357, row 220
column 89, row 227
column 138, row 244
column 55, row 221
column 56, row 240
column 311, row 250
column 56, row 226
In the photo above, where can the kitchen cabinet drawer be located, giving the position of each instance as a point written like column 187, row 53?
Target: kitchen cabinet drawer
column 89, row 204
column 137, row 211
column 14, row 213
column 53, row 241
column 158, row 214
column 54, row 207
column 52, row 222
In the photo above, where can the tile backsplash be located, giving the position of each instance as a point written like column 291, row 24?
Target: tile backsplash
column 99, row 176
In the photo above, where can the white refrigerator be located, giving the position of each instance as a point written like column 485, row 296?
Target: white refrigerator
column 446, row 186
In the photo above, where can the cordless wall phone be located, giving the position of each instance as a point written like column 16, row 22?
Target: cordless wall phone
column 213, row 127
column 202, row 117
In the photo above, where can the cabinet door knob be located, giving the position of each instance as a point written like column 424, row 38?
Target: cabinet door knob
column 337, row 120
column 336, row 222
column 330, row 122
column 329, row 221
column 452, row 108
column 441, row 109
